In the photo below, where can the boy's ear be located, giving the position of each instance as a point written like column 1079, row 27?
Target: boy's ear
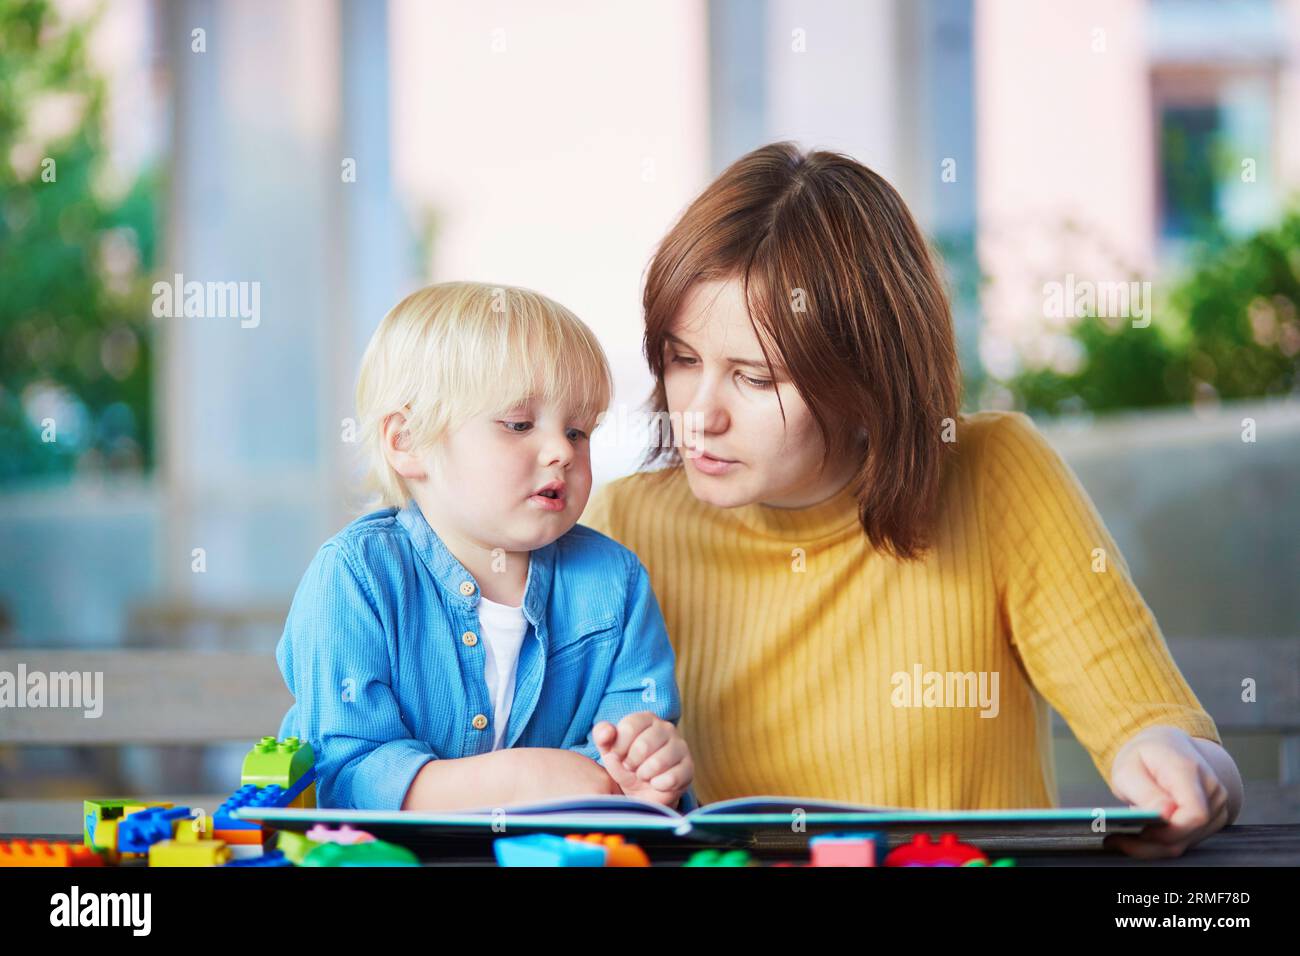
column 397, row 440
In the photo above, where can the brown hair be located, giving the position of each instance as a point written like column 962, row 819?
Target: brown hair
column 840, row 282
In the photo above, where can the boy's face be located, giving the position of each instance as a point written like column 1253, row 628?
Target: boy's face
column 485, row 477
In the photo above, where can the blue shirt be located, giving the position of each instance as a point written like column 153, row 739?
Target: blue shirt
column 381, row 651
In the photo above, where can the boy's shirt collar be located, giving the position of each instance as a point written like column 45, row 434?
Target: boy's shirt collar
column 453, row 577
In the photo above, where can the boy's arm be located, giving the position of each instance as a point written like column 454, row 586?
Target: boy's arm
column 334, row 657
column 504, row 777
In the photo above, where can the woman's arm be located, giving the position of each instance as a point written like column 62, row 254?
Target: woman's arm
column 1092, row 646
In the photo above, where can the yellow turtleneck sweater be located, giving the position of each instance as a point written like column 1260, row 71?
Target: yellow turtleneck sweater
column 812, row 666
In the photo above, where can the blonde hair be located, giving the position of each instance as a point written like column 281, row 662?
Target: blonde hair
column 457, row 350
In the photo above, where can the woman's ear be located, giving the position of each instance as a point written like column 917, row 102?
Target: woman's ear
column 397, row 441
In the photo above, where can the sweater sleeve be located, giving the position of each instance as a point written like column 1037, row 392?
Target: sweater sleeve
column 1087, row 640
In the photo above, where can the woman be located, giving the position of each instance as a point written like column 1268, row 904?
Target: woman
column 872, row 597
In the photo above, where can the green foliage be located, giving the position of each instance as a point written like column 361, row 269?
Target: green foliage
column 74, row 257
column 1229, row 329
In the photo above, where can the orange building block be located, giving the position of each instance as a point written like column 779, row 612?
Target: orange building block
column 246, row 837
column 45, row 853
column 617, row 852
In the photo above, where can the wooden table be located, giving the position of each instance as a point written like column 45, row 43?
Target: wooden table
column 1269, row 845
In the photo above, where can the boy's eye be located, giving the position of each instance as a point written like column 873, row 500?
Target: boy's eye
column 579, row 433
column 517, row 431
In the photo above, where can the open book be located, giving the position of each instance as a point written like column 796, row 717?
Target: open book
column 729, row 820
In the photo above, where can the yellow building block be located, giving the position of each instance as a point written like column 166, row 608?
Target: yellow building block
column 306, row 799
column 198, row 853
column 192, row 830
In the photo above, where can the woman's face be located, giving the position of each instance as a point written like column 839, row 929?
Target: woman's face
column 722, row 401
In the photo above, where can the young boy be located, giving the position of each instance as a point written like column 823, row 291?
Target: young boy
column 470, row 645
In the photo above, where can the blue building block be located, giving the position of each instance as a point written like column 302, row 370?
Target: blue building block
column 249, row 795
column 269, row 858
column 144, row 828
column 546, row 849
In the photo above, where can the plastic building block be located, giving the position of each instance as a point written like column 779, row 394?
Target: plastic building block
column 721, row 858
column 546, row 849
column 1005, row 861
column 106, row 839
column 140, row 830
column 617, row 852
column 198, row 853
column 848, row 849
column 194, row 829
column 44, row 853
column 307, row 798
column 249, row 795
column 344, row 834
column 283, row 763
column 239, row 837
column 96, row 811
column 293, row 845
column 369, row 853
column 270, row 858
column 947, row 852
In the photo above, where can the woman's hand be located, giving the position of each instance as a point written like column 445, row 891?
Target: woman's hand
column 1191, row 782
column 646, row 756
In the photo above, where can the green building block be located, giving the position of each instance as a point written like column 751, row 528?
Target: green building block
column 277, row 762
column 294, row 845
column 370, row 853
column 94, row 812
column 720, row 858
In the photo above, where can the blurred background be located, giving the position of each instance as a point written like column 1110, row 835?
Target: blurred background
column 166, row 477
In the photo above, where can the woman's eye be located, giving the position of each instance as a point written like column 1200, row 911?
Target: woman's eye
column 683, row 360
column 517, row 431
column 756, row 382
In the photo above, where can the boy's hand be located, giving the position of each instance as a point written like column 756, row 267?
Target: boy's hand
column 646, row 756
column 545, row 773
column 1162, row 768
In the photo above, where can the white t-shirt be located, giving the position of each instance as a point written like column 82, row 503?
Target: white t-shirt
column 503, row 630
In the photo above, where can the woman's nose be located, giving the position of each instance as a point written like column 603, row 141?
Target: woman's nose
column 705, row 415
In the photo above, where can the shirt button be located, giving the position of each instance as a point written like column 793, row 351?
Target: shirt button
column 467, row 588
column 470, row 638
column 479, row 721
